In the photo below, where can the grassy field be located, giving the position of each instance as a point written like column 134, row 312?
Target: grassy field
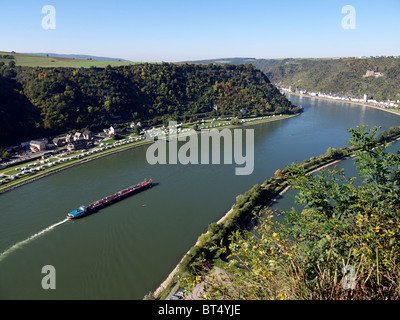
column 31, row 60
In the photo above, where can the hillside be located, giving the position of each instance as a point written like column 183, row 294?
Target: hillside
column 48, row 101
column 342, row 76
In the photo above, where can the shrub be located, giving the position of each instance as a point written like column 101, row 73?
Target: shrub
column 343, row 227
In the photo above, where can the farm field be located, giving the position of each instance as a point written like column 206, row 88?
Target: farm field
column 31, row 60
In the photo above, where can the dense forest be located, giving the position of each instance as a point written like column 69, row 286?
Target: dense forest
column 39, row 101
column 344, row 76
column 339, row 76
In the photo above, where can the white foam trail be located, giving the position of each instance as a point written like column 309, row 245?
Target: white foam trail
column 21, row 243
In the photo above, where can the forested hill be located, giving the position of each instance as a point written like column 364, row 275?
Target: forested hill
column 39, row 101
column 341, row 76
column 344, row 76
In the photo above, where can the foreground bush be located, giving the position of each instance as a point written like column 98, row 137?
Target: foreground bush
column 343, row 245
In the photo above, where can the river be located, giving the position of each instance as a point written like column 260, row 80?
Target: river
column 126, row 250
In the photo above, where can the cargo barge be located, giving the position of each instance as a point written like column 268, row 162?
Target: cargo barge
column 86, row 210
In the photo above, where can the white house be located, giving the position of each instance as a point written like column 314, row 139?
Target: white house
column 77, row 136
column 112, row 131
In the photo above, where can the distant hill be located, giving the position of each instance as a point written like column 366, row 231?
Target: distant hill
column 223, row 61
column 78, row 56
column 51, row 60
column 379, row 77
column 343, row 76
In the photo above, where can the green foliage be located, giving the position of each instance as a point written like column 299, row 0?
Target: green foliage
column 387, row 135
column 56, row 100
column 343, row 76
column 346, row 222
column 214, row 227
column 331, row 153
column 136, row 130
column 234, row 121
column 352, row 224
column 6, row 56
column 4, row 154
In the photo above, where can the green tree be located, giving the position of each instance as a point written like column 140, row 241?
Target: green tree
column 330, row 152
column 136, row 130
column 4, row 154
column 234, row 121
column 347, row 223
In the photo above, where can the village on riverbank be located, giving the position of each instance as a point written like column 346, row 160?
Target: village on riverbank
column 389, row 105
column 38, row 158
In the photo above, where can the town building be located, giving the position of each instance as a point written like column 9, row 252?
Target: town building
column 59, row 142
column 111, row 131
column 78, row 136
column 372, row 73
column 37, row 145
column 69, row 138
column 79, row 144
column 87, row 134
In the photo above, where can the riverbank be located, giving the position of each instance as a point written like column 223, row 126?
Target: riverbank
column 271, row 190
column 23, row 181
column 323, row 166
column 396, row 112
column 114, row 149
column 171, row 283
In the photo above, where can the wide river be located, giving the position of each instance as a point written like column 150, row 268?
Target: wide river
column 126, row 250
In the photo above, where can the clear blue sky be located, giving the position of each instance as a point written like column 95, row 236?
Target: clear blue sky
column 176, row 30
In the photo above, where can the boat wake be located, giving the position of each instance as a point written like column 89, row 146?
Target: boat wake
column 36, row 235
